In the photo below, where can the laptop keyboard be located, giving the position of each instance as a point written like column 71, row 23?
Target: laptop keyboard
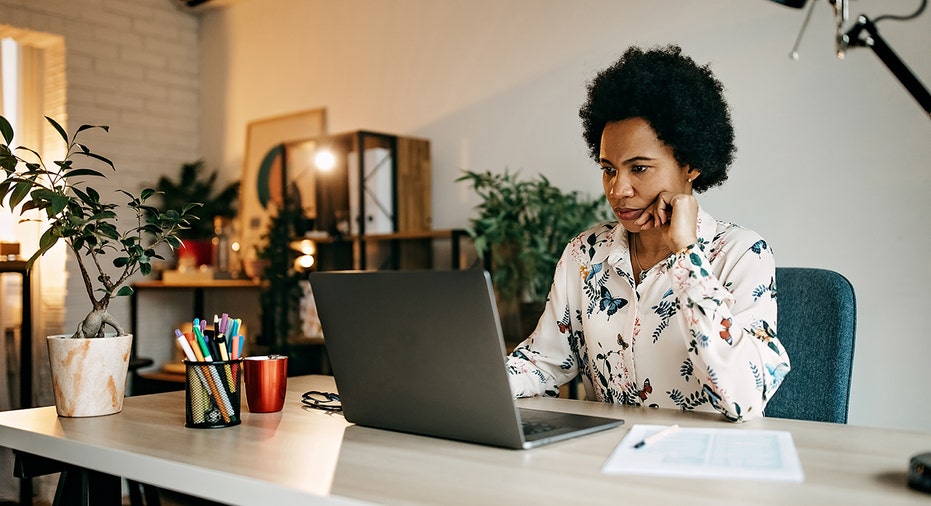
column 530, row 428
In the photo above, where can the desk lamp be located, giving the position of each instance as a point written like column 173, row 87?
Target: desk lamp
column 865, row 34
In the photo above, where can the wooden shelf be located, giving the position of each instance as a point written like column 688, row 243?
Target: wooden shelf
column 411, row 249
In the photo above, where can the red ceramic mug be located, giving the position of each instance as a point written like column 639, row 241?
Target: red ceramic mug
column 266, row 378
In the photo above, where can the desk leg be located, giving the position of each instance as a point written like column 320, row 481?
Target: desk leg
column 25, row 345
column 88, row 488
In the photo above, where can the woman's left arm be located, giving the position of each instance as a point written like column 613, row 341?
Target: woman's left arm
column 730, row 314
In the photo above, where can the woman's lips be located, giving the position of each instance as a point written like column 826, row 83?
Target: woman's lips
column 627, row 214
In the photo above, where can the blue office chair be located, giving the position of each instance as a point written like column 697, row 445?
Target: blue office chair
column 817, row 319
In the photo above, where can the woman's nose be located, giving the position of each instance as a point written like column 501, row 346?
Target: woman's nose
column 621, row 185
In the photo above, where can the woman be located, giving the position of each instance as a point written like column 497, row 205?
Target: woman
column 666, row 307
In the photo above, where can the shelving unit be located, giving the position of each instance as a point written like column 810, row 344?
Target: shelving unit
column 401, row 250
column 377, row 192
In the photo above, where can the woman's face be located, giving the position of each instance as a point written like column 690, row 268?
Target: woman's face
column 636, row 167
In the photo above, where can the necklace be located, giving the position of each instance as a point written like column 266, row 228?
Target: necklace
column 636, row 254
column 643, row 272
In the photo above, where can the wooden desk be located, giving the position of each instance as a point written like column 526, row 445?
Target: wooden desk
column 303, row 456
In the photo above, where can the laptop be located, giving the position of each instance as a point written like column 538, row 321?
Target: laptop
column 422, row 352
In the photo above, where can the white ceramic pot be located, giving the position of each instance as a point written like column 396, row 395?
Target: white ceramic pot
column 89, row 375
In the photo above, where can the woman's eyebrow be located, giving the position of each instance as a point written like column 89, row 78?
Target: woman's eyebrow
column 635, row 159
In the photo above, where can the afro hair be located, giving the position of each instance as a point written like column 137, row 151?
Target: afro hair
column 682, row 101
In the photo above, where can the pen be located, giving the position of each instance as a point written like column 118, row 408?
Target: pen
column 653, row 438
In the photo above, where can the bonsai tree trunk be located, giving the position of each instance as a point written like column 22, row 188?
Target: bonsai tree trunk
column 94, row 322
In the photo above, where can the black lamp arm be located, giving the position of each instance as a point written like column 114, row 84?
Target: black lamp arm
column 890, row 59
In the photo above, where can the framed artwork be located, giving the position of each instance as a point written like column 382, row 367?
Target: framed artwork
column 264, row 177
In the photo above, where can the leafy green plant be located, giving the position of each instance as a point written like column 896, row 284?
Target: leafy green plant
column 192, row 185
column 88, row 224
column 281, row 291
column 522, row 228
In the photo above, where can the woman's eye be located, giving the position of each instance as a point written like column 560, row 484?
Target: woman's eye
column 639, row 168
column 607, row 169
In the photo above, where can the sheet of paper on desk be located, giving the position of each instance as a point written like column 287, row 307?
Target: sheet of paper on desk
column 708, row 453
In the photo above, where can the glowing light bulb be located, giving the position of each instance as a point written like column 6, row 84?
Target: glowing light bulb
column 325, row 160
column 304, row 262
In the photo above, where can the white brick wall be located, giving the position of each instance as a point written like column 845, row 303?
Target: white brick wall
column 133, row 65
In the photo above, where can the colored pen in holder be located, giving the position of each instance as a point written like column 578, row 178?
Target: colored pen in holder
column 212, row 393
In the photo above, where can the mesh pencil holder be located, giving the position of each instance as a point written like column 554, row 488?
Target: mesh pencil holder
column 212, row 394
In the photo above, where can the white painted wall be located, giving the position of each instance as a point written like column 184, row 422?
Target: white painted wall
column 832, row 165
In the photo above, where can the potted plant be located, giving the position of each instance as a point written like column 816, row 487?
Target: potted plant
column 194, row 185
column 88, row 368
column 521, row 230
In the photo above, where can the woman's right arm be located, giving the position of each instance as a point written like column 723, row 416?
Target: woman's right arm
column 545, row 360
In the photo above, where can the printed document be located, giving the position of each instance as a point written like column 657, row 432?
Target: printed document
column 708, row 453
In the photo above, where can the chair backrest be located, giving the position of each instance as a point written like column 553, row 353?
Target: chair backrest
column 817, row 313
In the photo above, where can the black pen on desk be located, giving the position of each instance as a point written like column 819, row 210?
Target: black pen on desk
column 653, row 438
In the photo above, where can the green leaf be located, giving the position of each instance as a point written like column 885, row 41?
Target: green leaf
column 84, row 197
column 49, row 238
column 20, row 190
column 82, row 172
column 97, row 157
column 61, row 131
column 6, row 129
column 7, row 160
column 58, row 203
column 124, row 291
column 88, row 127
column 103, row 215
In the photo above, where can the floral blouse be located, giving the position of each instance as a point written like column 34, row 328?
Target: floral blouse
column 698, row 333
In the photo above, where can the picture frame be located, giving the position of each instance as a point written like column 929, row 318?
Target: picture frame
column 264, row 177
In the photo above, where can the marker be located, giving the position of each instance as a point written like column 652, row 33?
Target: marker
column 235, row 348
column 219, row 342
column 653, row 438
column 205, row 347
column 185, row 346
column 197, row 412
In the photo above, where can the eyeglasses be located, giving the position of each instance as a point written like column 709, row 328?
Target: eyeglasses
column 326, row 401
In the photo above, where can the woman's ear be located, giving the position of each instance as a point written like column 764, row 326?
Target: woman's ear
column 692, row 174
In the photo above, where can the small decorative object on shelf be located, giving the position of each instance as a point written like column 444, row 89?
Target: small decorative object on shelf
column 9, row 250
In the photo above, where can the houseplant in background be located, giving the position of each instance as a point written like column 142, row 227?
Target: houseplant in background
column 88, row 368
column 522, row 227
column 193, row 184
column 281, row 289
